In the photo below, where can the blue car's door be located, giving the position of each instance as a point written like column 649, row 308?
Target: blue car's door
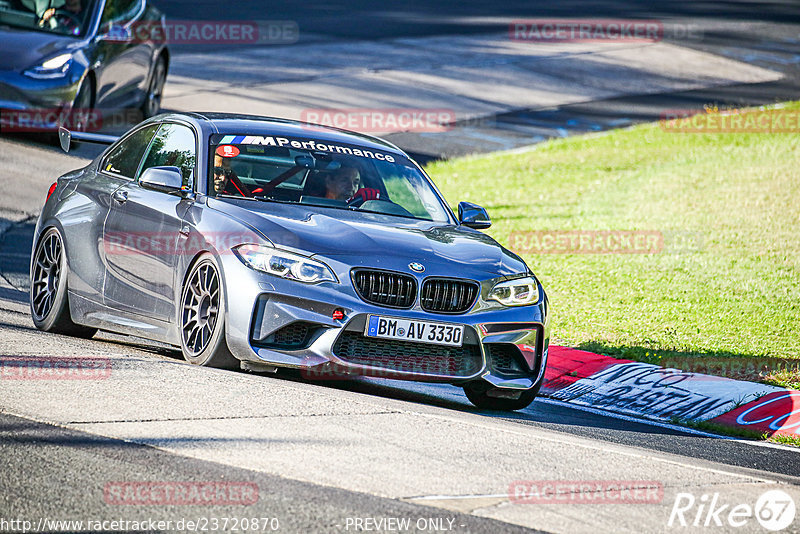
column 142, row 230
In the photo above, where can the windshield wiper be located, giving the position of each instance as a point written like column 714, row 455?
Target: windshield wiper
column 235, row 197
column 414, row 217
column 262, row 199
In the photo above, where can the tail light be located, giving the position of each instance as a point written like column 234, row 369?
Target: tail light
column 50, row 191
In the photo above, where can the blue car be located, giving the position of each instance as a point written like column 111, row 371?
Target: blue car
column 64, row 55
column 265, row 243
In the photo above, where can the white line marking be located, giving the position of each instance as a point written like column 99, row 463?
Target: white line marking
column 456, row 497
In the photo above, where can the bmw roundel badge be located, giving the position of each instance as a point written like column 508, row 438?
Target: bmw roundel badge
column 416, row 267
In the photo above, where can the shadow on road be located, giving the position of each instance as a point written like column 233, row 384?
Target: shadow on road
column 15, row 250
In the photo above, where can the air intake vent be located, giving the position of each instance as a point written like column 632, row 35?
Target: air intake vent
column 408, row 357
column 385, row 288
column 505, row 358
column 293, row 336
column 446, row 295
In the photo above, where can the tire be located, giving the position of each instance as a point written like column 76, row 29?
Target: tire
column 48, row 288
column 478, row 395
column 152, row 100
column 202, row 317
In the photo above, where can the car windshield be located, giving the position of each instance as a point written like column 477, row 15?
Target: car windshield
column 321, row 173
column 65, row 17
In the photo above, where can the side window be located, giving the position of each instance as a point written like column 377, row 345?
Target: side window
column 124, row 158
column 400, row 191
column 119, row 12
column 174, row 144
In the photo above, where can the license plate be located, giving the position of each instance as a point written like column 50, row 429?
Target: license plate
column 413, row 330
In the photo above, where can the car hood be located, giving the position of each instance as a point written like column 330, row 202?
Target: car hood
column 372, row 240
column 25, row 48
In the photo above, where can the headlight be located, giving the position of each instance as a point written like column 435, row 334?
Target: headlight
column 285, row 264
column 519, row 292
column 55, row 67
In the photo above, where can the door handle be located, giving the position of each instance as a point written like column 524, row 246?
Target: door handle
column 120, row 196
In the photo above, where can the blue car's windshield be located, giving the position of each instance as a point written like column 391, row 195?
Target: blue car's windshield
column 64, row 17
column 322, row 173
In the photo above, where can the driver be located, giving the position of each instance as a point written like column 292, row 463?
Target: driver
column 225, row 179
column 344, row 185
column 73, row 11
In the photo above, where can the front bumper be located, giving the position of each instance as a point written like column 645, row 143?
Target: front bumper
column 26, row 103
column 282, row 323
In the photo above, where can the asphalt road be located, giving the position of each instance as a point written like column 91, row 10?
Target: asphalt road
column 66, row 473
column 324, row 455
column 458, row 58
column 371, row 20
column 501, row 106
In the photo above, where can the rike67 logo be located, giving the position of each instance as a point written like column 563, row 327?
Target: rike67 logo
column 774, row 510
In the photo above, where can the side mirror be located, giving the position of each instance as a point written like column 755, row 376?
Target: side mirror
column 472, row 215
column 166, row 179
column 65, row 138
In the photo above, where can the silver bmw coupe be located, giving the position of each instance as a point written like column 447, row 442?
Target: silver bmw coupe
column 264, row 243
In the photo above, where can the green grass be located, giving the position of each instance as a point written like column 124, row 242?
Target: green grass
column 785, row 440
column 732, row 293
column 738, row 432
column 716, row 428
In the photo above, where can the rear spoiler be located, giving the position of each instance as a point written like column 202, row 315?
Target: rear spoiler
column 66, row 137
